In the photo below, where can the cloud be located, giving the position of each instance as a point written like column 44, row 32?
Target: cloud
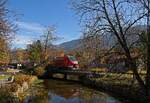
column 22, row 40
column 30, row 26
column 28, row 32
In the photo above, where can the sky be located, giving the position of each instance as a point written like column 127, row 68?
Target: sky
column 33, row 16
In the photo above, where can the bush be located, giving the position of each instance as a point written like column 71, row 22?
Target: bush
column 11, row 87
column 20, row 78
column 39, row 71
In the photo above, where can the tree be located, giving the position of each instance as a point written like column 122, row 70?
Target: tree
column 19, row 55
column 88, row 50
column 4, row 52
column 6, row 31
column 115, row 19
column 145, row 5
column 35, row 52
column 41, row 50
column 47, row 39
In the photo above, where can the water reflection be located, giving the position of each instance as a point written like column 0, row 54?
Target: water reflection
column 63, row 92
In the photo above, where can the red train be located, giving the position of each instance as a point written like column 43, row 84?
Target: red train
column 67, row 61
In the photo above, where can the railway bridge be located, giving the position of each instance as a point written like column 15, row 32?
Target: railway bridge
column 67, row 72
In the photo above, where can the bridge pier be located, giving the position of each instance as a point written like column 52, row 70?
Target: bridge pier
column 65, row 76
column 50, row 75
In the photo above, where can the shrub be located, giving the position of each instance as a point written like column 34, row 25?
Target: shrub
column 39, row 71
column 20, row 78
column 11, row 87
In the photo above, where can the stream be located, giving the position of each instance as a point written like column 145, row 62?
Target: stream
column 54, row 91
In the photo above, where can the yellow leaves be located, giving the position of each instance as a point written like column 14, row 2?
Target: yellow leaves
column 4, row 52
column 20, row 78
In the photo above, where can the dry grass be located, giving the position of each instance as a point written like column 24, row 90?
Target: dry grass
column 20, row 78
column 39, row 71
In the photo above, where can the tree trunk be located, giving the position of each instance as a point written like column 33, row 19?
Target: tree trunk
column 137, row 76
column 148, row 52
column 148, row 60
column 148, row 68
column 134, row 68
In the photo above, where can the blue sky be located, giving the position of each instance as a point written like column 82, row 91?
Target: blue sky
column 35, row 15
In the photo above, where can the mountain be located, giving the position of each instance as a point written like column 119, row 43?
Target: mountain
column 108, row 40
column 70, row 45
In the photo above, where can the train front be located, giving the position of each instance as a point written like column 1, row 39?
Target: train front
column 72, row 62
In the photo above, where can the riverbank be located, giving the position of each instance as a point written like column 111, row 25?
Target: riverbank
column 16, row 91
column 123, row 92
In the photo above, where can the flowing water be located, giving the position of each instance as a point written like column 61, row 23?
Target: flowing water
column 52, row 91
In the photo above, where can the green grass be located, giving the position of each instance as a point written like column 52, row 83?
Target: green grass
column 104, row 70
column 2, row 77
column 38, row 81
column 116, row 79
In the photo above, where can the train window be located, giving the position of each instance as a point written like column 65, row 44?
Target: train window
column 72, row 58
